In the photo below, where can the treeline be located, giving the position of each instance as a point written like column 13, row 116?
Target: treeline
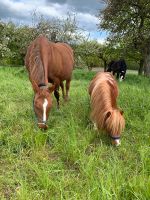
column 128, row 23
column 14, row 40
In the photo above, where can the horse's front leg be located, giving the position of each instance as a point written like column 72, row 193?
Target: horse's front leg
column 56, row 91
column 63, row 91
column 56, row 94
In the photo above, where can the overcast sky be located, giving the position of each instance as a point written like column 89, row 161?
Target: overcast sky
column 86, row 10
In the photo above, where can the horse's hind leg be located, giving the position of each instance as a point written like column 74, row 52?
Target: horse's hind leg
column 63, row 91
column 67, row 90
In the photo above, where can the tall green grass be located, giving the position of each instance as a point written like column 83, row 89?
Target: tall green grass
column 71, row 160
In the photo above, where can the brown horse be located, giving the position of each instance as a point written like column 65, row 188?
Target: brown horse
column 105, row 114
column 48, row 62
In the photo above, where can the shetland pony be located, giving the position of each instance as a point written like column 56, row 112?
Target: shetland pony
column 48, row 62
column 105, row 113
column 118, row 67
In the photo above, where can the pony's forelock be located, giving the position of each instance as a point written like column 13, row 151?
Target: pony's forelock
column 115, row 123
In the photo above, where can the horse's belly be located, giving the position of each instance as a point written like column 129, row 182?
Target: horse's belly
column 61, row 73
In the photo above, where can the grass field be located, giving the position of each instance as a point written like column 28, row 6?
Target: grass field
column 71, row 160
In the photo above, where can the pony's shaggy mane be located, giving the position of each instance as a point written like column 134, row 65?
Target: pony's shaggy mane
column 103, row 90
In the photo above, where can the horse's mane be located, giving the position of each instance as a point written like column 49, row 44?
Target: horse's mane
column 33, row 62
column 105, row 113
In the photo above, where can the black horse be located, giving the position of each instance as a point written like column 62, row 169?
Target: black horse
column 118, row 67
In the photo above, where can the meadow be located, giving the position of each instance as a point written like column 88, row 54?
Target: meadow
column 71, row 160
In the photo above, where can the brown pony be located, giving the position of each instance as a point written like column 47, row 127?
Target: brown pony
column 105, row 114
column 48, row 62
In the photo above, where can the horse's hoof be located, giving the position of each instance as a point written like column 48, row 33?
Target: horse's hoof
column 66, row 99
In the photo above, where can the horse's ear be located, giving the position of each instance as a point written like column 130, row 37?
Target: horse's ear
column 35, row 86
column 51, row 87
column 108, row 114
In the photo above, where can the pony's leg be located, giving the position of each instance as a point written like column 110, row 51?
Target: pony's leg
column 113, row 72
column 63, row 91
column 67, row 90
column 118, row 75
column 56, row 94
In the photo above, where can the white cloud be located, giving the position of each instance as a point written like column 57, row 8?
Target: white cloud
column 22, row 10
column 101, row 40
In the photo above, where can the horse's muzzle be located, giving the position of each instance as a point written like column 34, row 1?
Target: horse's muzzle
column 42, row 125
column 116, row 140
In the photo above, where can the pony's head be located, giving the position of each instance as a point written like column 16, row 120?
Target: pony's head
column 42, row 104
column 114, row 125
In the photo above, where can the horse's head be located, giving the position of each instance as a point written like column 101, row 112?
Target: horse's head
column 42, row 104
column 115, row 124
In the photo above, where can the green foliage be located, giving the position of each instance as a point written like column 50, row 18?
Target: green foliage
column 71, row 160
column 129, row 25
column 88, row 52
column 127, row 20
column 58, row 29
column 14, row 39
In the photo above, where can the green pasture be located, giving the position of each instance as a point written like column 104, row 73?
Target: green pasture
column 71, row 160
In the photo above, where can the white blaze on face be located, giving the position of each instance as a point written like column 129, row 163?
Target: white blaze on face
column 44, row 109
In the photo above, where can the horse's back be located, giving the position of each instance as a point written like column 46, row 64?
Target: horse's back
column 103, row 78
column 61, row 61
column 66, row 54
column 50, row 60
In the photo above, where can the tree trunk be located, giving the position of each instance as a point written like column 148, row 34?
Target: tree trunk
column 141, row 68
column 147, row 60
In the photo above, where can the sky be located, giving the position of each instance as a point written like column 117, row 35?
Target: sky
column 86, row 10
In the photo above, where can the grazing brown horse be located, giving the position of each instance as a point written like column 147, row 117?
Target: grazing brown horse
column 48, row 62
column 105, row 114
